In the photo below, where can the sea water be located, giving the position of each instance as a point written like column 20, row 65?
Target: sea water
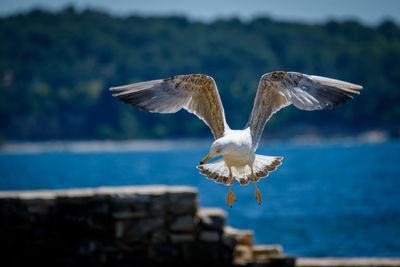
column 326, row 199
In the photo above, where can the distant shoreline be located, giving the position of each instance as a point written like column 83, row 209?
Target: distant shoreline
column 138, row 145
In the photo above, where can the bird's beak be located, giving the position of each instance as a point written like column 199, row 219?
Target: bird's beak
column 206, row 158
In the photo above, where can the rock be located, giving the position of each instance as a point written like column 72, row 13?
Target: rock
column 232, row 236
column 201, row 253
column 163, row 254
column 209, row 236
column 99, row 206
column 267, row 250
column 182, row 200
column 86, row 247
column 140, row 228
column 141, row 191
column 137, row 202
column 132, row 198
column 159, row 237
column 230, row 241
column 38, row 208
column 184, row 223
column 212, row 218
column 36, row 202
column 119, row 229
column 125, row 226
column 127, row 214
column 182, row 191
column 181, row 238
column 159, row 204
column 263, row 252
column 281, row 261
column 243, row 254
column 76, row 193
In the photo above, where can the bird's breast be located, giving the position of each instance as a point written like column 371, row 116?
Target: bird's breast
column 241, row 152
column 238, row 160
column 241, row 155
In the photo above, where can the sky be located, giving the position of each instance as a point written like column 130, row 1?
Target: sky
column 370, row 12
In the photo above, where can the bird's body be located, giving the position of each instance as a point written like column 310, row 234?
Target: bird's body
column 242, row 151
column 198, row 94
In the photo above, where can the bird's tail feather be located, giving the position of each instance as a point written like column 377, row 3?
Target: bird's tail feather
column 219, row 170
column 263, row 165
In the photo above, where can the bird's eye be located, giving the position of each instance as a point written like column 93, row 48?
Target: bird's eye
column 218, row 151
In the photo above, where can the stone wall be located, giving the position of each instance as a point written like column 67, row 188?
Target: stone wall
column 123, row 226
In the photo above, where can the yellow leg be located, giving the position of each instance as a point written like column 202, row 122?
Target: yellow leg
column 231, row 197
column 258, row 195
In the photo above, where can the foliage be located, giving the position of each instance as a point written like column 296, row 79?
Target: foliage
column 55, row 69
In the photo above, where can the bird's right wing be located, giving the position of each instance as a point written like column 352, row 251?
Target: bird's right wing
column 196, row 93
column 280, row 89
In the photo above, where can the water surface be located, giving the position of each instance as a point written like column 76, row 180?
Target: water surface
column 327, row 199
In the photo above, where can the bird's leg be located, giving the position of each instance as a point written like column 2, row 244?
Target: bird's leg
column 258, row 195
column 231, row 196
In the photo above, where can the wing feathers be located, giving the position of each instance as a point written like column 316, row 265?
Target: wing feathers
column 306, row 92
column 196, row 93
column 130, row 88
column 326, row 91
column 333, row 83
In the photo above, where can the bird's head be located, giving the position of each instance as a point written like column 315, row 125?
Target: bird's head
column 220, row 147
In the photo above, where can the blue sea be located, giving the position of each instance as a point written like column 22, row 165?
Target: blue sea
column 326, row 199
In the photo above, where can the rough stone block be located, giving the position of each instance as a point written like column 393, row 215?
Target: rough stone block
column 159, row 203
column 99, row 206
column 140, row 228
column 163, row 254
column 230, row 241
column 209, row 236
column 38, row 208
column 119, row 229
column 121, row 191
column 182, row 200
column 265, row 251
column 202, row 252
column 185, row 223
column 124, row 201
column 76, row 193
column 281, row 261
column 128, row 214
column 181, row 238
column 232, row 236
column 35, row 202
column 212, row 218
column 132, row 198
column 159, row 237
column 243, row 254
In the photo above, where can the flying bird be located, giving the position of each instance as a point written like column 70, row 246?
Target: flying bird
column 198, row 94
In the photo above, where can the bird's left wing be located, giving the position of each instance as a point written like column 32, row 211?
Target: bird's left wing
column 196, row 93
column 280, row 89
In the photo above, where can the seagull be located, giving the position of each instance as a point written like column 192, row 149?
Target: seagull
column 198, row 94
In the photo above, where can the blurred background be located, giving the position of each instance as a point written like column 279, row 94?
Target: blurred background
column 336, row 193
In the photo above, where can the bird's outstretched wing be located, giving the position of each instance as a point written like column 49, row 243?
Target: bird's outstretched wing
column 196, row 93
column 280, row 89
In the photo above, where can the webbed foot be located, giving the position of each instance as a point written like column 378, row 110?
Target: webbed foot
column 231, row 197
